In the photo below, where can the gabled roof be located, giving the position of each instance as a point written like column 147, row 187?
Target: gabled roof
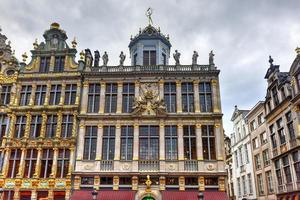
column 238, row 112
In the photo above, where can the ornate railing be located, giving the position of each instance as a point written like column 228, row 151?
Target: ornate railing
column 281, row 188
column 190, row 165
column 153, row 68
column 106, row 165
column 148, row 165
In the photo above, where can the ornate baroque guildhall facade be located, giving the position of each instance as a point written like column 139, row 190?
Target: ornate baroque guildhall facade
column 145, row 131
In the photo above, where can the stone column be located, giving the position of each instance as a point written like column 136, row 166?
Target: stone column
column 196, row 96
column 118, row 142
column 32, row 96
column 43, row 128
column 72, row 160
column 102, row 98
column 199, row 142
column 178, row 96
column 22, row 163
column 17, row 95
column 137, row 89
column 180, row 142
column 80, row 144
column 13, row 119
column 77, row 100
column 54, row 164
column 162, row 141
column 135, row 147
column 99, row 142
column 28, row 122
column 74, row 128
column 38, row 163
column 161, row 89
column 6, row 162
column 62, row 95
column 59, row 123
column 47, row 98
column 84, row 102
column 219, row 142
column 215, row 96
column 119, row 97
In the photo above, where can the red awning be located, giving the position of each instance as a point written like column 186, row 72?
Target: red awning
column 193, row 195
column 179, row 195
column 103, row 195
column 213, row 195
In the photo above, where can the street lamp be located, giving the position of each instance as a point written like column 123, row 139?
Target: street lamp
column 94, row 194
column 200, row 196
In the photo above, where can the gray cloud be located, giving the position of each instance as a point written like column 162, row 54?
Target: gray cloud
column 242, row 34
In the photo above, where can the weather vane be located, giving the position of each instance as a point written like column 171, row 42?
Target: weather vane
column 148, row 14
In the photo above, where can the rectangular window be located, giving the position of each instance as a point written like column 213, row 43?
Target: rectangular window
column 63, row 161
column 45, row 64
column 149, row 58
column 171, row 142
column 266, row 157
column 128, row 97
column 286, row 169
column 244, row 185
column 164, row 59
column 170, row 97
column 47, row 161
column 269, row 181
column 208, row 142
column 187, row 93
column 149, row 142
column 273, row 136
column 14, row 163
column 241, row 156
column 126, row 142
column 278, row 173
column 296, row 160
column 275, row 96
column 35, row 126
column 260, row 184
column 51, row 126
column 5, row 95
column 94, row 98
column 290, row 126
column 246, row 153
column 3, row 126
column 67, row 126
column 250, row 183
column 239, row 186
column 263, row 138
column 252, row 125
column 135, row 59
column 40, row 94
column 59, row 64
column 30, row 163
column 90, row 143
column 111, row 93
column 257, row 162
column 55, row 94
column 236, row 159
column 280, row 131
column 25, row 95
column 108, row 142
column 205, row 97
column 255, row 143
column 70, row 94
column 260, row 119
column 20, row 126
column 189, row 142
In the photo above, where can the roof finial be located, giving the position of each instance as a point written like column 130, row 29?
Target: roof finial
column 297, row 50
column 148, row 14
column 271, row 61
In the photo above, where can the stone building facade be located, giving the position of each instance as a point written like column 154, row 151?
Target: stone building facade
column 229, row 168
column 260, row 153
column 243, row 177
column 39, row 144
column 149, row 130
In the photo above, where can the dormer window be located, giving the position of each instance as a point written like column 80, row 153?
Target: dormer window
column 59, row 64
column 149, row 57
column 275, row 96
column 45, row 64
column 135, row 59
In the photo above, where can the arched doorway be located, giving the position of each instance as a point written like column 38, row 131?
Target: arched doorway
column 148, row 198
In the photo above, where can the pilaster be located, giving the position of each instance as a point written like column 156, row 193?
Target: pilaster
column 59, row 123
column 181, row 183
column 215, row 96
column 6, row 162
column 99, row 142
column 162, row 141
column 118, row 142
column 136, row 89
column 180, row 142
column 13, row 119
column 201, row 183
column 74, row 128
column 32, row 96
column 199, row 142
column 102, row 98
column 43, row 128
column 178, row 96
column 196, row 96
column 161, row 89
column 62, row 96
column 115, row 183
column 84, row 102
column 22, row 163
column 54, row 164
column 80, row 144
column 47, row 98
column 71, row 163
column 119, row 97
column 219, row 142
column 38, row 163
column 28, row 122
column 77, row 100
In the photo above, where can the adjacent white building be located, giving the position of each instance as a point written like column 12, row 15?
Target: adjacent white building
column 242, row 176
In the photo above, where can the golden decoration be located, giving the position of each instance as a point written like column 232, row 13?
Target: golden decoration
column 74, row 43
column 24, row 57
column 35, row 44
column 54, row 25
column 81, row 54
column 148, row 184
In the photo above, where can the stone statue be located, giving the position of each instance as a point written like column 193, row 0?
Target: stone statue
column 105, row 59
column 88, row 58
column 122, row 58
column 211, row 58
column 176, row 56
column 195, row 57
column 97, row 58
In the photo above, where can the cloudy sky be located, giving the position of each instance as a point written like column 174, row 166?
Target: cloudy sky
column 242, row 34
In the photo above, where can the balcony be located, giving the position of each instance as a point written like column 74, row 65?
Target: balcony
column 289, row 187
column 154, row 68
column 148, row 165
column 190, row 165
column 106, row 165
column 281, row 188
